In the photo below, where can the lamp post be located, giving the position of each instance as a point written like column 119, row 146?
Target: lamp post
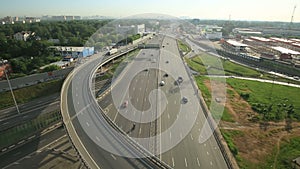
column 12, row 93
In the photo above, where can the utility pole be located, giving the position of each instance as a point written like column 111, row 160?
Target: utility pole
column 12, row 93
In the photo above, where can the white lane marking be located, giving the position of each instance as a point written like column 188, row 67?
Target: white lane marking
column 207, row 153
column 87, row 124
column 133, row 88
column 113, row 156
column 204, row 144
column 76, row 94
column 168, row 116
column 97, row 138
column 115, row 117
column 198, row 162
column 140, row 89
column 175, row 102
column 137, row 99
column 170, row 135
column 77, row 102
column 211, row 163
column 192, row 137
column 185, row 162
column 140, row 131
column 173, row 162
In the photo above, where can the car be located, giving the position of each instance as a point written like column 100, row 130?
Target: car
column 184, row 100
column 166, row 75
column 125, row 104
column 162, row 83
column 180, row 79
column 167, row 61
column 146, row 70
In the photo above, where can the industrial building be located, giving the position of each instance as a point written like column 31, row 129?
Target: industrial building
column 134, row 29
column 212, row 32
column 235, row 46
column 74, row 52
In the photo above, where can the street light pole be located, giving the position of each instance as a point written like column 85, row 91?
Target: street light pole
column 12, row 93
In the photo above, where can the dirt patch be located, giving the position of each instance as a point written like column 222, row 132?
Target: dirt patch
column 257, row 142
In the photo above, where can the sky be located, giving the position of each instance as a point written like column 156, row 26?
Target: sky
column 252, row 10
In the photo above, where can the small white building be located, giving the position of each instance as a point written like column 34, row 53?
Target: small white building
column 135, row 29
column 24, row 35
column 213, row 32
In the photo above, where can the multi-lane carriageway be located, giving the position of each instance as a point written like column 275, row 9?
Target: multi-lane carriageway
column 87, row 127
column 189, row 153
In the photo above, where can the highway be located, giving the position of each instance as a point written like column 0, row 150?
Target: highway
column 9, row 117
column 188, row 152
column 88, row 128
column 10, row 159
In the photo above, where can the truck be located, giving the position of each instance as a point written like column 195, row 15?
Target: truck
column 112, row 51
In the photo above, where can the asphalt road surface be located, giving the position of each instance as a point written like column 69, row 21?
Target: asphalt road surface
column 10, row 117
column 187, row 152
column 88, row 128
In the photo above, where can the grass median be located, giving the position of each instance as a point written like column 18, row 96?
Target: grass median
column 27, row 94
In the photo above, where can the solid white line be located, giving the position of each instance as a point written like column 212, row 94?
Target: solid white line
column 185, row 162
column 173, row 162
column 140, row 131
column 113, row 156
column 170, row 135
column 115, row 117
column 198, row 162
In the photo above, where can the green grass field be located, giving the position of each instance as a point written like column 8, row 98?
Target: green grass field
column 183, row 47
column 269, row 98
column 26, row 94
column 200, row 64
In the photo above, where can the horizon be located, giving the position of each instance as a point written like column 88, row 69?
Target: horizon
column 194, row 9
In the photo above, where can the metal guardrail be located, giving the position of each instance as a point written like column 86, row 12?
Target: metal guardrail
column 210, row 120
column 149, row 156
column 152, row 160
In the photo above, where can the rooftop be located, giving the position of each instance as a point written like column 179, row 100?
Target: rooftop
column 260, row 39
column 282, row 40
column 69, row 48
column 297, row 160
column 235, row 43
column 285, row 50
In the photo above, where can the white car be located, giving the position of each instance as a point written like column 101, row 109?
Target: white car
column 162, row 83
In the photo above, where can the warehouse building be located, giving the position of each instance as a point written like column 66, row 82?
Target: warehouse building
column 74, row 52
column 234, row 45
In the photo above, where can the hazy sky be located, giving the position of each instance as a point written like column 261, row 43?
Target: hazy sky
column 270, row 10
